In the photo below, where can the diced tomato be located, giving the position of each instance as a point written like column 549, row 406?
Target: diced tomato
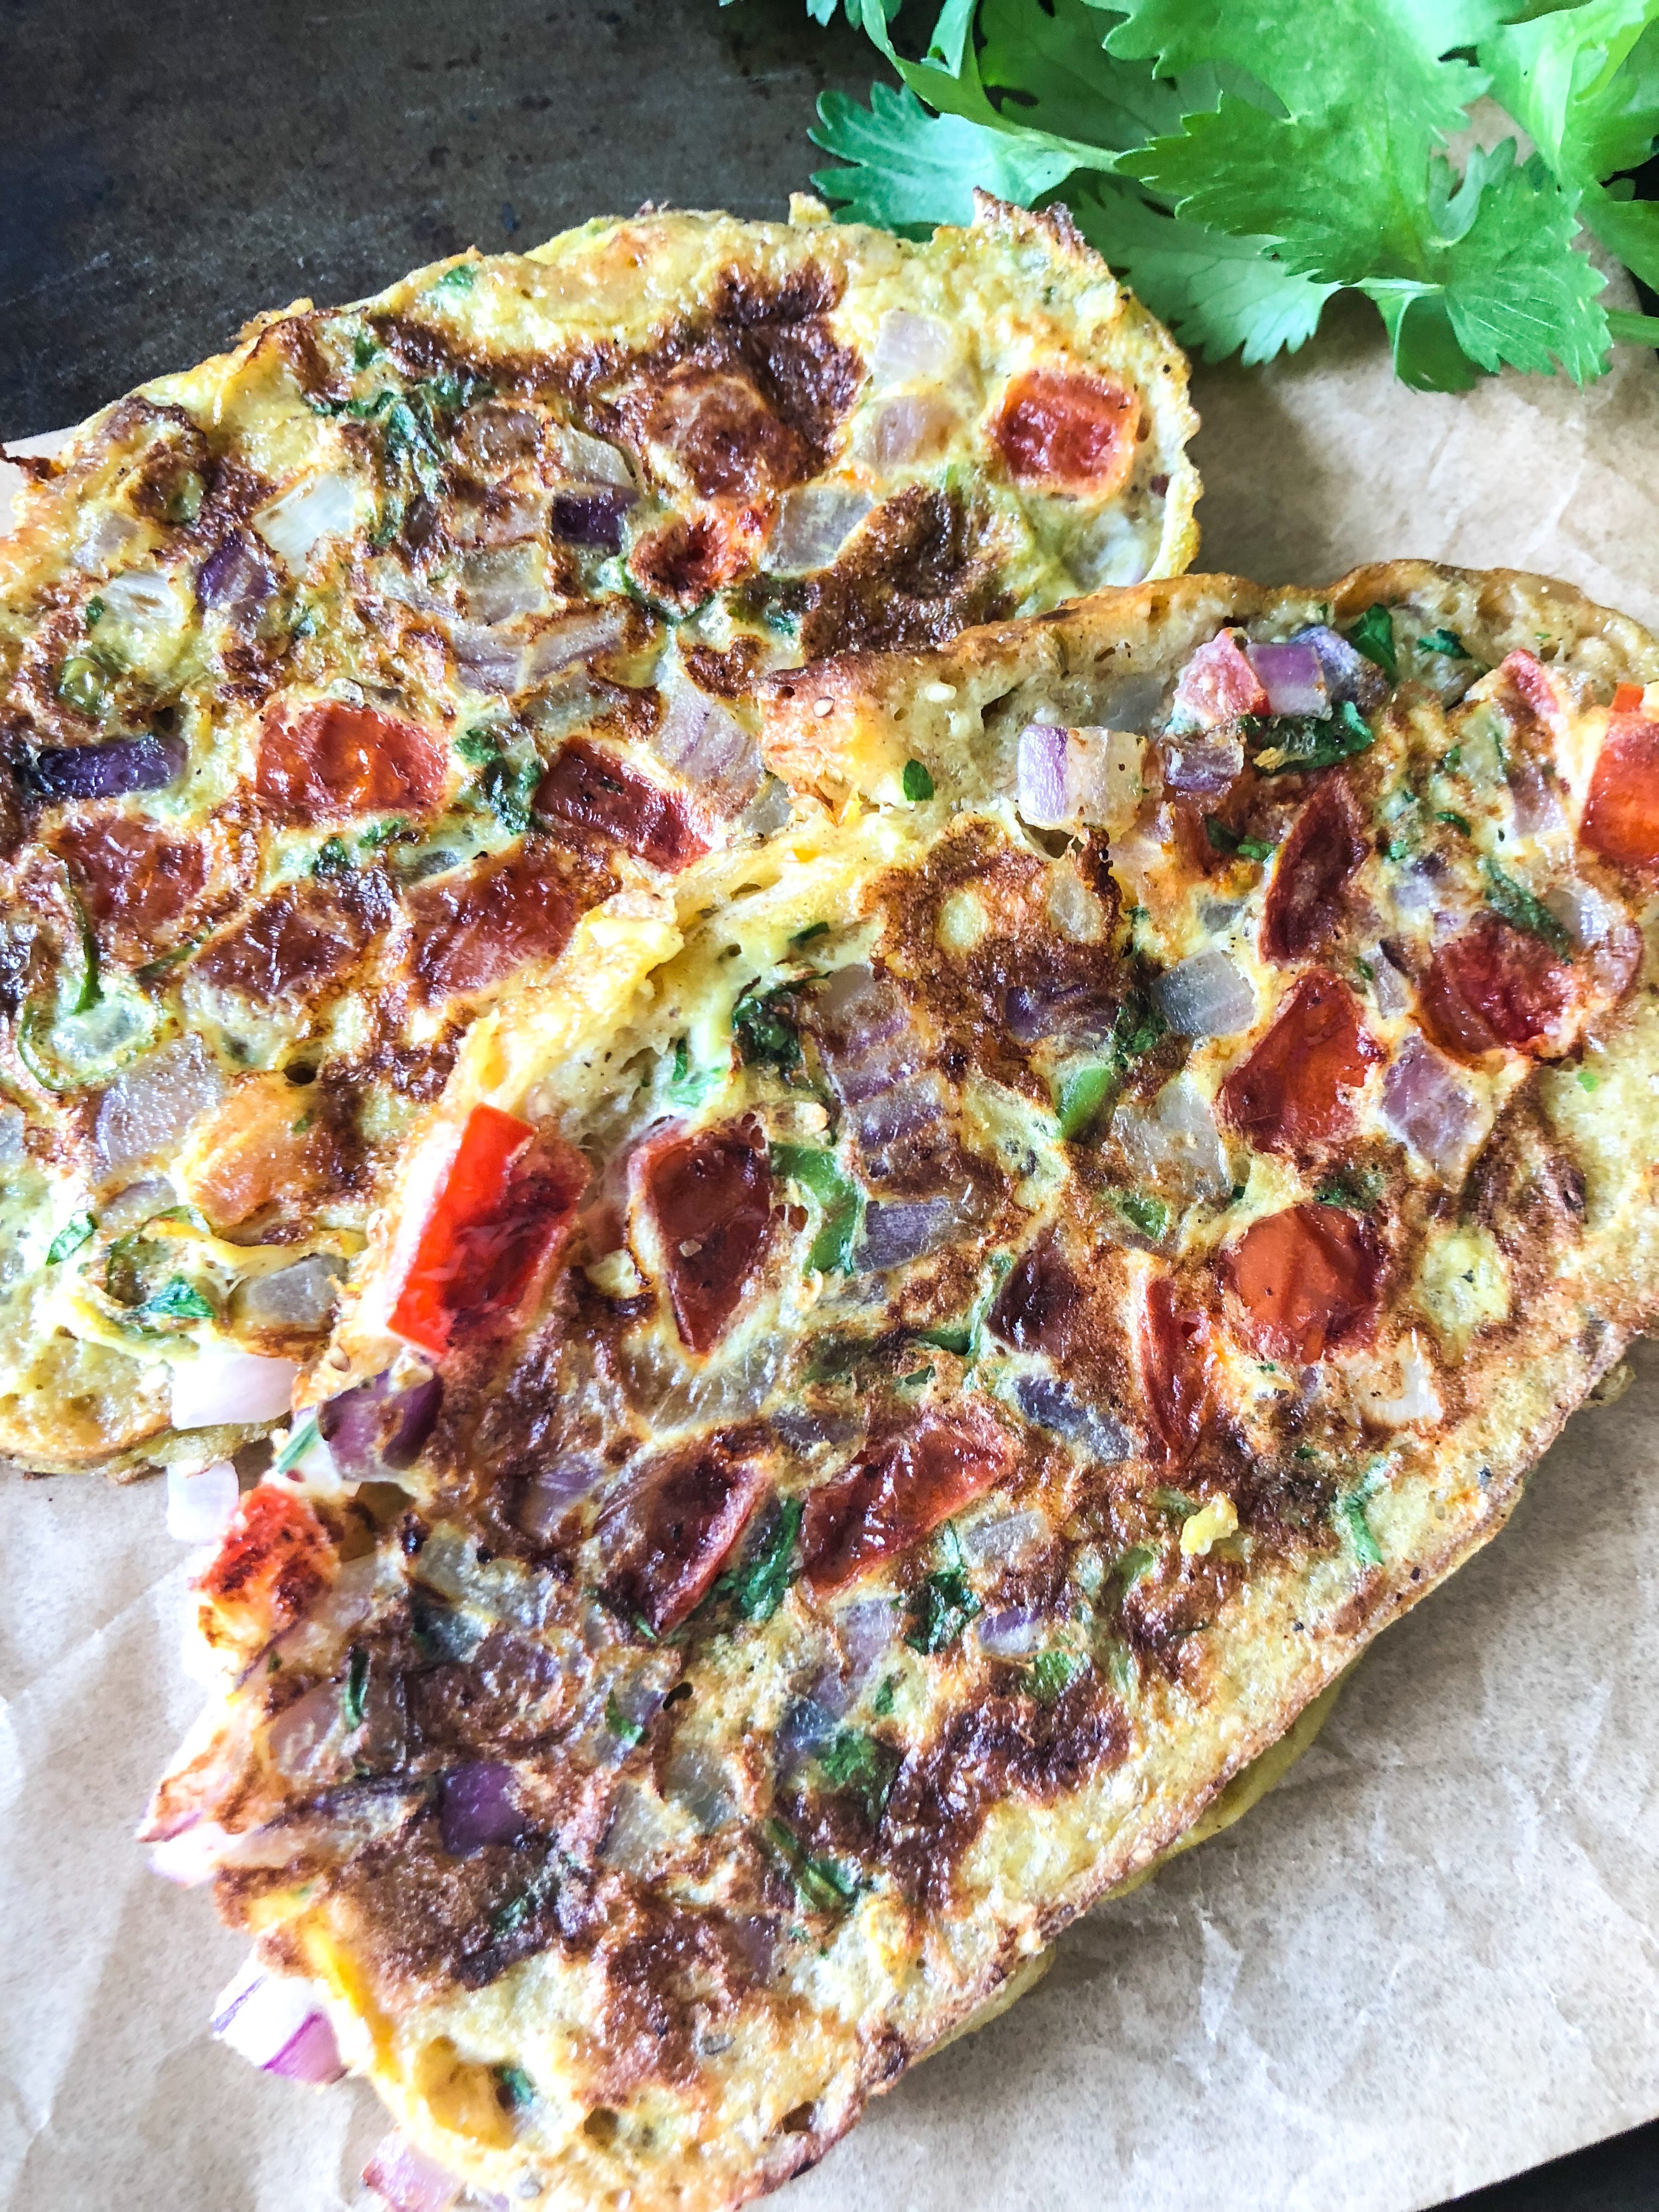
column 274, row 1557
column 711, row 1196
column 499, row 1224
column 1621, row 817
column 1219, row 685
column 1310, row 1279
column 688, row 558
column 899, row 1493
column 667, row 1536
column 730, row 442
column 295, row 943
column 1172, row 1356
column 133, row 880
column 1627, row 698
column 1295, row 1088
column 1305, row 901
column 1527, row 676
column 592, row 788
column 1494, row 986
column 318, row 763
column 1068, row 431
column 468, row 934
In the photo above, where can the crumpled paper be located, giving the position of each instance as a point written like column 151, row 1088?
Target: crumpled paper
column 1428, row 1960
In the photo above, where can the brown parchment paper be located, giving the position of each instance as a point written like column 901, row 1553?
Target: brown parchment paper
column 1428, row 1960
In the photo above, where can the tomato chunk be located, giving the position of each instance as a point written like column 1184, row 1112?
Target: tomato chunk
column 468, row 934
column 592, row 788
column 499, row 1224
column 318, row 763
column 1310, row 877
column 1310, row 1279
column 1494, row 986
column 900, row 1492
column 1627, row 698
column 1622, row 816
column 667, row 1536
column 1068, row 431
column 134, row 881
column 711, row 1196
column 1295, row 1088
column 274, row 1557
column 1172, row 1355
column 1219, row 685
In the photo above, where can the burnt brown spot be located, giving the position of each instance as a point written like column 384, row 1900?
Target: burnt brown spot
column 135, row 882
column 295, row 945
column 921, row 567
column 471, row 930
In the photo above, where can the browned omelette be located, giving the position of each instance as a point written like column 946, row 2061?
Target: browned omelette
column 342, row 676
column 860, row 1420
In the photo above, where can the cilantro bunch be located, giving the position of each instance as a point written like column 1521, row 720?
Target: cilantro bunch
column 1241, row 161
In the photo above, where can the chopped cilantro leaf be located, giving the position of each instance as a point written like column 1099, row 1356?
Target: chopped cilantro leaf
column 688, row 1084
column 1173, row 1504
column 70, row 1237
column 365, row 350
column 1349, row 1513
column 1373, row 636
column 1223, row 839
column 756, row 1585
column 882, row 1702
column 461, row 278
column 356, row 1686
column 942, row 1606
column 918, row 784
column 177, row 1300
column 1517, row 906
column 1446, row 642
column 517, row 2089
column 821, row 1885
column 1587, row 1080
column 812, row 929
column 507, row 793
column 478, row 746
column 333, row 858
column 94, row 612
column 1454, row 820
column 1307, row 741
column 1051, row 1673
column 1130, row 1567
column 764, row 1038
column 627, row 1732
column 862, row 1766
column 1355, row 1189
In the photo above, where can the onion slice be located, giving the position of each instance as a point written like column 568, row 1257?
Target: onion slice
column 1205, row 996
column 276, row 2022
column 406, row 2180
column 220, row 1385
column 200, row 1505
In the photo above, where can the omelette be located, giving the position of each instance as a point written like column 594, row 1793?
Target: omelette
column 879, row 1398
column 341, row 676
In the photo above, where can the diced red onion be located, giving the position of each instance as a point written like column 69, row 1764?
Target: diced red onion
column 110, row 770
column 151, row 1104
column 220, row 1385
column 494, row 436
column 545, row 1501
column 637, row 1703
column 297, row 521
column 476, row 1806
column 503, row 582
column 1011, row 1633
column 1198, row 767
column 865, row 1032
column 1055, row 1405
column 698, row 1779
column 276, row 2022
column 907, row 429
column 591, row 515
column 305, row 1740
column 1390, row 985
column 107, row 532
column 806, row 1729
column 1348, row 675
column 487, row 663
column 895, row 1234
column 234, row 579
column 191, row 1856
column 887, row 1127
column 1080, row 1011
column 1174, row 1142
column 1537, row 809
column 1040, row 788
column 576, row 637
column 1293, row 677
column 1425, row 1106
column 1205, row 996
column 1415, row 887
column 1601, row 931
column 374, row 1428
column 594, row 461
column 865, row 1630
column 406, row 2180
column 303, row 1296
column 201, row 1504
column 706, row 745
column 813, row 524
column 909, row 347
column 1004, row 1539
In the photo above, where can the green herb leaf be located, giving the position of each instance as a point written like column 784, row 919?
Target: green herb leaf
column 757, row 1584
column 81, row 686
column 918, row 783
column 517, row 2088
column 461, row 278
column 506, row 792
column 944, row 1605
column 356, row 1686
column 910, row 170
column 1357, row 1189
column 478, row 746
column 1175, row 1504
column 1051, row 1673
column 1454, row 820
column 838, row 1199
column 1151, row 1215
column 300, row 1439
column 70, row 1237
column 94, row 612
column 805, row 935
column 177, row 1300
column 333, row 859
column 820, row 1884
column 882, row 1704
column 1294, row 742
column 1518, row 907
column 626, row 1732
column 862, row 1766
column 1348, row 1512
column 1373, row 636
column 688, row 1084
column 764, row 1038
column 1130, row 1567
column 1443, row 641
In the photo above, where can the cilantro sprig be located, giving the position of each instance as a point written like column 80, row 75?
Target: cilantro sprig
column 1242, row 165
